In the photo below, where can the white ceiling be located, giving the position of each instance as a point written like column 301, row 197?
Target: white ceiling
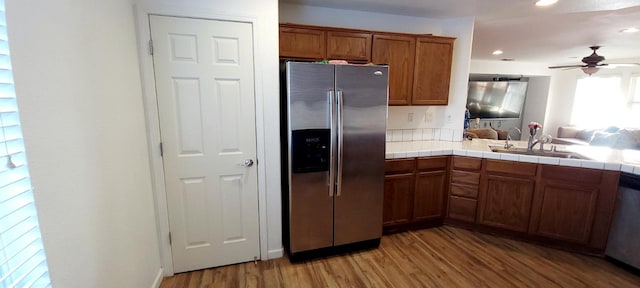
column 523, row 31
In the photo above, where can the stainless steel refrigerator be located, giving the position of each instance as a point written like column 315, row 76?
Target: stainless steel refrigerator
column 333, row 138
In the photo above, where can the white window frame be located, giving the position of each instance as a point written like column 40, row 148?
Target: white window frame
column 620, row 76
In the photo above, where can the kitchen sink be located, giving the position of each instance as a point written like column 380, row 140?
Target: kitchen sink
column 537, row 152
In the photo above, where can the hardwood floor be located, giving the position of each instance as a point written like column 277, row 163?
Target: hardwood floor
column 437, row 257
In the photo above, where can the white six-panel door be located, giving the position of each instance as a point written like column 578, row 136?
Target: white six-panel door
column 204, row 82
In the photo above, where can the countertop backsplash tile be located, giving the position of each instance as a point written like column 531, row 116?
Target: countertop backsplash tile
column 424, row 134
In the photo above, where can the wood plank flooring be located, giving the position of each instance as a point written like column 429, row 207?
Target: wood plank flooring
column 438, row 257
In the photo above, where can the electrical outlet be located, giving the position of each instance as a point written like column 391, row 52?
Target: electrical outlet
column 449, row 119
column 428, row 116
column 410, row 117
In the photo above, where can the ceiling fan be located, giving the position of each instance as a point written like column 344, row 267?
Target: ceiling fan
column 592, row 63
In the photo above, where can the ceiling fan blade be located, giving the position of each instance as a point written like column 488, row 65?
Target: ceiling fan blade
column 617, row 65
column 567, row 66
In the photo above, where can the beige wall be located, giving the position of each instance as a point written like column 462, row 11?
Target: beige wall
column 79, row 94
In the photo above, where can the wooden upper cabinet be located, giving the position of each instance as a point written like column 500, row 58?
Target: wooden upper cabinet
column 432, row 71
column 398, row 52
column 419, row 65
column 349, row 46
column 302, row 43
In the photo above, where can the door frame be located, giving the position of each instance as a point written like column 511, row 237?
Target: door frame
column 152, row 120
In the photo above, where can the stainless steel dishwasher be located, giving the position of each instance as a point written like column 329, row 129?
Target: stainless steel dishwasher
column 624, row 237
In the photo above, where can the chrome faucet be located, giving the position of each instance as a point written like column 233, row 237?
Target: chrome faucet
column 543, row 140
column 508, row 145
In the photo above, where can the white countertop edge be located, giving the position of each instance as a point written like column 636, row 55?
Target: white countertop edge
column 480, row 149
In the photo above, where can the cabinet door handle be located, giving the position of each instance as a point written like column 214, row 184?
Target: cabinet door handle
column 332, row 174
column 340, row 142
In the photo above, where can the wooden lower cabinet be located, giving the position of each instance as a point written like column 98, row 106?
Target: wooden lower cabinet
column 398, row 199
column 463, row 190
column 505, row 202
column 430, row 191
column 564, row 211
column 462, row 209
column 562, row 206
column 415, row 199
column 574, row 205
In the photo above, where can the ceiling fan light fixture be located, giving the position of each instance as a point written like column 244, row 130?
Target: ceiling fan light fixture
column 543, row 3
column 590, row 70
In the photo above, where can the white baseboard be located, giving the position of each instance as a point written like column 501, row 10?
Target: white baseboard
column 275, row 253
column 158, row 280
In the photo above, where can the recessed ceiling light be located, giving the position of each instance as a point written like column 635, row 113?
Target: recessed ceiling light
column 507, row 59
column 630, row 30
column 545, row 2
column 497, row 52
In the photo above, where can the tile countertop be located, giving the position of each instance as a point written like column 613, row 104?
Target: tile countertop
column 602, row 157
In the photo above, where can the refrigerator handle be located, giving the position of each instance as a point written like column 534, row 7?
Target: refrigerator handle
column 340, row 142
column 332, row 164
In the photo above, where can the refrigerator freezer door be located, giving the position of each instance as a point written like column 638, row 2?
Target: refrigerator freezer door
column 309, row 89
column 358, row 208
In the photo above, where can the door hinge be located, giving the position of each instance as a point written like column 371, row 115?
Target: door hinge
column 161, row 150
column 151, row 47
column 170, row 241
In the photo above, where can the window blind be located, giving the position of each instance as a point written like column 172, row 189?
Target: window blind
column 22, row 258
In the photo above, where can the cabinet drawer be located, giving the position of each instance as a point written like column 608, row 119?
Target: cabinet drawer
column 510, row 167
column 432, row 163
column 462, row 209
column 466, row 163
column 463, row 177
column 398, row 166
column 470, row 191
column 590, row 176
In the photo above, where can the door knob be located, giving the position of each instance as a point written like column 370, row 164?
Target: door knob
column 248, row 163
